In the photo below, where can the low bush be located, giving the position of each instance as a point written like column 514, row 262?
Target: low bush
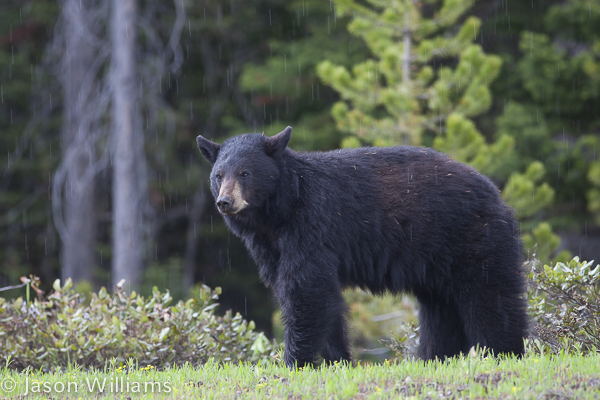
column 62, row 329
column 388, row 320
column 66, row 328
column 564, row 304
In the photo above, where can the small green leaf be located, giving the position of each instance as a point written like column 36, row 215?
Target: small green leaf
column 18, row 303
column 163, row 334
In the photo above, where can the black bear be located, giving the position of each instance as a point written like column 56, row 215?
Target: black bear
column 396, row 219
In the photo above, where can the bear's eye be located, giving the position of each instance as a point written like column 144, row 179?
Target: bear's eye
column 218, row 177
column 245, row 174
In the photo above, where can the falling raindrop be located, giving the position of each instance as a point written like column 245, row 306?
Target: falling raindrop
column 228, row 262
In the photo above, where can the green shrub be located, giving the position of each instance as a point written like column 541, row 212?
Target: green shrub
column 381, row 320
column 564, row 303
column 62, row 329
column 404, row 343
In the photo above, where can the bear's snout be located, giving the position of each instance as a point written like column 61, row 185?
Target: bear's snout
column 224, row 204
column 230, row 199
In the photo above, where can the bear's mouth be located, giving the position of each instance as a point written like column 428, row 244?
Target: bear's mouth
column 232, row 210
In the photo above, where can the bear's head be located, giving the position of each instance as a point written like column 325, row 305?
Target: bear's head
column 245, row 169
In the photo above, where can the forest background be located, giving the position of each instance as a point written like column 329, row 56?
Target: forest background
column 512, row 88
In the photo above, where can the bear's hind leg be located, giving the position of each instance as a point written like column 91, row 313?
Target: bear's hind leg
column 441, row 329
column 496, row 321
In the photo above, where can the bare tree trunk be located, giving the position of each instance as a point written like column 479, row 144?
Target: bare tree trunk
column 77, row 142
column 128, row 158
column 192, row 238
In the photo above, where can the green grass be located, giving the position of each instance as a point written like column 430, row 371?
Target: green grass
column 533, row 377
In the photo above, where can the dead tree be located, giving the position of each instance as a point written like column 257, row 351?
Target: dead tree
column 75, row 190
column 129, row 185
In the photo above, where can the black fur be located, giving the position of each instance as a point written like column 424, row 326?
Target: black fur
column 397, row 219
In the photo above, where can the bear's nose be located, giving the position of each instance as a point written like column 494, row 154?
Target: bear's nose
column 224, row 203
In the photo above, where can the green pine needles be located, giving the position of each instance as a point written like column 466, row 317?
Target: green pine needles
column 427, row 80
column 425, row 71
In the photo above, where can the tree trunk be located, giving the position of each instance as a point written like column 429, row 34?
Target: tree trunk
column 193, row 236
column 77, row 142
column 128, row 158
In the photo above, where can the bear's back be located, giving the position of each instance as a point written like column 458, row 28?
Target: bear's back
column 395, row 177
column 380, row 207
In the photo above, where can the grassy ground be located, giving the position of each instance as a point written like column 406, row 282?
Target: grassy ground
column 534, row 377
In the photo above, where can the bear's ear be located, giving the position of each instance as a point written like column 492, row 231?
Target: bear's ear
column 210, row 150
column 278, row 142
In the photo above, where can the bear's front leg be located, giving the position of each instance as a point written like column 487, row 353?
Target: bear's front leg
column 337, row 345
column 312, row 312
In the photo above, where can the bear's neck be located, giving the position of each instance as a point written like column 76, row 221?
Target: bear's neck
column 282, row 203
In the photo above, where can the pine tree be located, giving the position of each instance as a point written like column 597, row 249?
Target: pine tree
column 560, row 72
column 427, row 80
column 285, row 89
column 423, row 72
